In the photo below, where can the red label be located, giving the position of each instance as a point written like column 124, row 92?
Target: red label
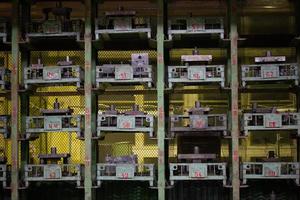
column 126, row 124
column 271, row 173
column 199, row 123
column 269, row 74
column 123, row 75
column 125, row 175
column 198, row 174
column 272, row 124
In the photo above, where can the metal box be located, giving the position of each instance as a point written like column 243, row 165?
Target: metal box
column 54, row 172
column 125, row 172
column 5, row 78
column 270, row 121
column 197, row 171
column 270, row 69
column 134, row 124
column 139, row 72
column 270, row 170
column 3, row 31
column 4, row 172
column 184, row 26
column 58, row 123
column 60, row 26
column 197, row 124
column 193, row 73
column 53, row 75
column 5, row 125
column 123, row 24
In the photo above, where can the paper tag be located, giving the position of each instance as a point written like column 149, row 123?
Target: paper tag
column 53, row 123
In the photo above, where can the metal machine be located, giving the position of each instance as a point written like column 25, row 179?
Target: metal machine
column 54, row 120
column 4, row 169
column 124, row 168
column 195, row 70
column 53, row 167
column 57, row 22
column 195, row 26
column 122, row 23
column 198, row 121
column 137, row 73
column 64, row 73
column 198, row 166
column 270, row 168
column 3, row 30
column 5, row 78
column 5, row 125
column 264, row 119
column 270, row 69
column 129, row 121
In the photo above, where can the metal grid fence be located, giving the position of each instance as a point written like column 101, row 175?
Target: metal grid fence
column 64, row 142
column 119, row 144
column 5, row 108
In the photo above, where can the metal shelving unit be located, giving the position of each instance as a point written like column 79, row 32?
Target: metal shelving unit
column 127, row 56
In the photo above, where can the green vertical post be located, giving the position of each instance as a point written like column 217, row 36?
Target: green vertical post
column 160, row 101
column 89, row 117
column 15, row 102
column 297, row 18
column 234, row 100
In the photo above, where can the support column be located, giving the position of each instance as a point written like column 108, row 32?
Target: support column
column 89, row 108
column 15, row 102
column 234, row 100
column 160, row 101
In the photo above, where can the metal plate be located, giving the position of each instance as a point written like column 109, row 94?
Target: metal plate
column 196, row 24
column 126, row 122
column 122, row 24
column 125, row 171
column 267, row 59
column 51, row 26
column 198, row 121
column 52, row 123
column 272, row 120
column 123, row 72
column 196, row 73
column 270, row 71
column 52, row 172
column 191, row 58
column 51, row 73
column 271, row 169
column 198, row 170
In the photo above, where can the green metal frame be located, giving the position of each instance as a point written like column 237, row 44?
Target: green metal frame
column 91, row 99
column 15, row 102
column 234, row 84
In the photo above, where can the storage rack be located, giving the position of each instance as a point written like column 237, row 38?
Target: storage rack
column 232, row 13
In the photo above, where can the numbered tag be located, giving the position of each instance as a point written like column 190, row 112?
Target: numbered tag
column 52, row 172
column 198, row 121
column 270, row 71
column 123, row 72
column 273, row 120
column 196, row 24
column 196, row 73
column 126, row 122
column 122, row 24
column 53, row 123
column 198, row 170
column 51, row 74
column 125, row 171
column 271, row 169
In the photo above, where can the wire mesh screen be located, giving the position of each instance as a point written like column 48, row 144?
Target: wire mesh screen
column 65, row 142
column 5, row 109
column 181, row 103
column 119, row 144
